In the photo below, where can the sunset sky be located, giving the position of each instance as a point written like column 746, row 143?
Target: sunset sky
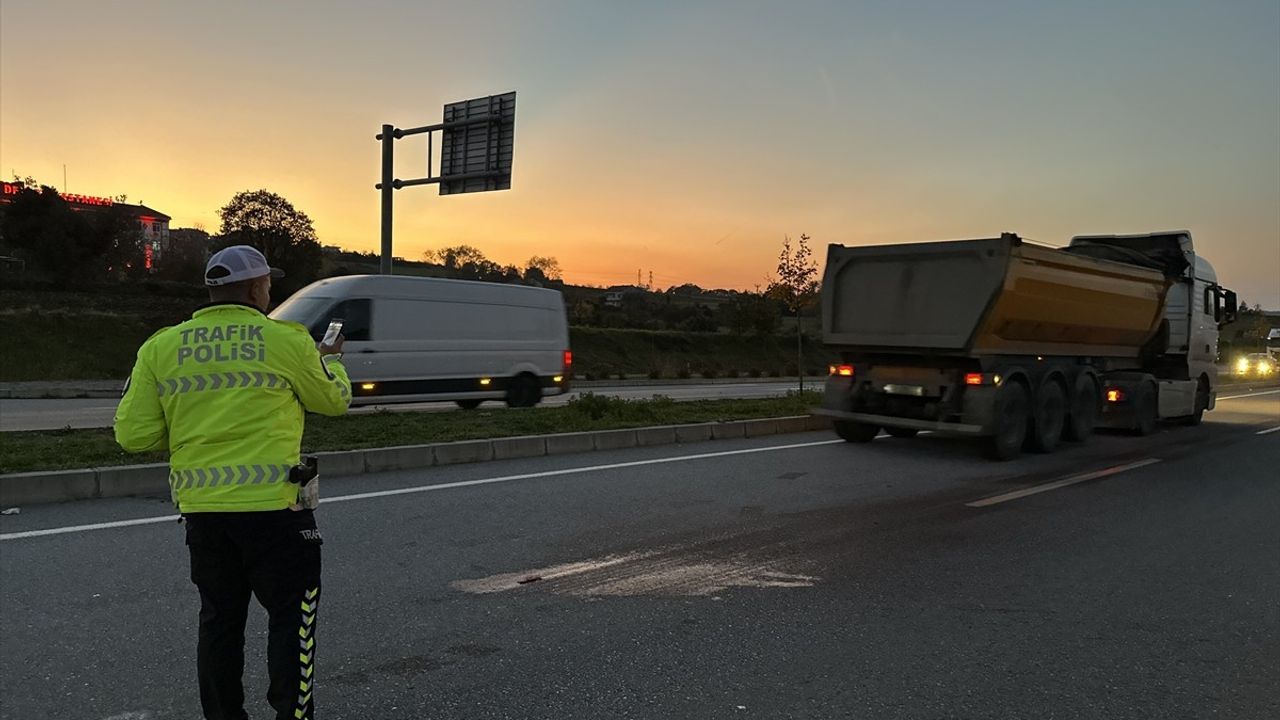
column 682, row 138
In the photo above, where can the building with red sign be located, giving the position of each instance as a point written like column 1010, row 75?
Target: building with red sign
column 153, row 224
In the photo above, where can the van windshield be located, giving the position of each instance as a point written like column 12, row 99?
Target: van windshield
column 301, row 309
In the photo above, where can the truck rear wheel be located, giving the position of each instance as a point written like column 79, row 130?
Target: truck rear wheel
column 1146, row 406
column 899, row 432
column 1048, row 418
column 1012, row 407
column 856, row 432
column 1202, row 404
column 1085, row 407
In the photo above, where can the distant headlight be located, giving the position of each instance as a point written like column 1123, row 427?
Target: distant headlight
column 1242, row 365
column 1264, row 367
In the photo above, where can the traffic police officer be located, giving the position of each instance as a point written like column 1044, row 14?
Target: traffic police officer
column 225, row 393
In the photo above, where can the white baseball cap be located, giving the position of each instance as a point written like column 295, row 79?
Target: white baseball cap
column 237, row 264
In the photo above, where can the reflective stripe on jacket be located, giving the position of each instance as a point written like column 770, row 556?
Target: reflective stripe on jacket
column 225, row 392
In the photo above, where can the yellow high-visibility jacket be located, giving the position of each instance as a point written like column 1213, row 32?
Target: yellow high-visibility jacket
column 226, row 392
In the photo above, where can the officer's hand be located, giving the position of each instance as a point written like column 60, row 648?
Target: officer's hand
column 335, row 348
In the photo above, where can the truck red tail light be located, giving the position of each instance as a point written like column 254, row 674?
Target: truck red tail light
column 1115, row 395
column 568, row 360
column 973, row 379
column 840, row 370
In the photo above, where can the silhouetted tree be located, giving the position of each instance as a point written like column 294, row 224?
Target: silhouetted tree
column 796, row 286
column 542, row 269
column 457, row 257
column 283, row 233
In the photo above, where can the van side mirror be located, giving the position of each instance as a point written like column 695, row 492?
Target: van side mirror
column 1233, row 308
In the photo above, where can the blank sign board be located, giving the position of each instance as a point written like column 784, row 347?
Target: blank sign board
column 477, row 143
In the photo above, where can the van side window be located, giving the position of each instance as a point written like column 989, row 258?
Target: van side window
column 355, row 316
column 1208, row 301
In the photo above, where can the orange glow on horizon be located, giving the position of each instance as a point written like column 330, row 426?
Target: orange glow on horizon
column 668, row 143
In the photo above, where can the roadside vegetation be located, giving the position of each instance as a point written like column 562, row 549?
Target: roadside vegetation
column 65, row 335
column 84, row 291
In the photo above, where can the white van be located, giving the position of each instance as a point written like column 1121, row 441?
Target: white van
column 410, row 339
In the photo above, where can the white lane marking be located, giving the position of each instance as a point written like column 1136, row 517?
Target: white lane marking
column 1247, row 395
column 1073, row 480
column 88, row 528
column 1268, row 430
column 573, row 471
column 441, row 486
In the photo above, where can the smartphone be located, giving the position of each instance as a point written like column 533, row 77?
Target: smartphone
column 331, row 335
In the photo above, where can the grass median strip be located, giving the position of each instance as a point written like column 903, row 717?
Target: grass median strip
column 69, row 449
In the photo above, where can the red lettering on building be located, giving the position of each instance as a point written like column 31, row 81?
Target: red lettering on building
column 86, row 199
column 15, row 188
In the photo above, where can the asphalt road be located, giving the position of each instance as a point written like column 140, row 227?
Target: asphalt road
column 789, row 577
column 91, row 413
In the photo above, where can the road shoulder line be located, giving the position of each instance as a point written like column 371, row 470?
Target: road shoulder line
column 1064, row 482
column 442, row 486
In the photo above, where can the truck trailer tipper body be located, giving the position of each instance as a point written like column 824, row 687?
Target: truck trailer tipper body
column 1020, row 344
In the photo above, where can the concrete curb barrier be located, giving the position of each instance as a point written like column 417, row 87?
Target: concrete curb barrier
column 615, row 439
column 519, row 447
column 128, row 480
column 570, row 443
column 67, row 389
column 45, row 487
column 110, row 389
column 132, row 480
column 760, row 428
column 729, row 431
column 695, row 433
column 646, row 437
column 60, row 389
column 343, row 462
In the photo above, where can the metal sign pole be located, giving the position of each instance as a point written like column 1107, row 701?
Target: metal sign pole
column 477, row 138
column 388, row 178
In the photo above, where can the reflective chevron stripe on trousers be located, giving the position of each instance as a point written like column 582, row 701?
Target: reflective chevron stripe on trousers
column 307, row 654
column 275, row 557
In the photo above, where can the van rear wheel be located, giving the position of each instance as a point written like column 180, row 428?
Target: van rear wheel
column 525, row 391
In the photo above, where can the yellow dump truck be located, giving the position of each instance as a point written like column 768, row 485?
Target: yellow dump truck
column 1020, row 344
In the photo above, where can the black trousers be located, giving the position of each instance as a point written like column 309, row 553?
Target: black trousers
column 274, row 556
